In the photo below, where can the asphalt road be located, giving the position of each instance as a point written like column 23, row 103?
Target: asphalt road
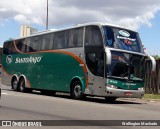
column 34, row 106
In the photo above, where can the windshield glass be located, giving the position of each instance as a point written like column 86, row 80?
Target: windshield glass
column 122, row 39
column 126, row 66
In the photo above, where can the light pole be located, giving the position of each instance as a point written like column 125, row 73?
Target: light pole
column 47, row 17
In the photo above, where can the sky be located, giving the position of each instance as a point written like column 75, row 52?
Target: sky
column 140, row 15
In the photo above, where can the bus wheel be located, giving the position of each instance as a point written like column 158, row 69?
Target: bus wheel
column 76, row 90
column 15, row 84
column 22, row 85
column 110, row 99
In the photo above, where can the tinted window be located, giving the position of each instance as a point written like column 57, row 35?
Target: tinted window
column 109, row 34
column 19, row 44
column 93, row 36
column 76, row 37
column 122, row 39
column 60, row 40
column 26, row 45
column 23, row 45
column 9, row 48
column 47, row 42
column 35, row 43
column 127, row 66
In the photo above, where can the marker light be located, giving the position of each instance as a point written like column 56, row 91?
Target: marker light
column 141, row 88
column 112, row 86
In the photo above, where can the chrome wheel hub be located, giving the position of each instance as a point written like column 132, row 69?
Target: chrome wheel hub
column 77, row 90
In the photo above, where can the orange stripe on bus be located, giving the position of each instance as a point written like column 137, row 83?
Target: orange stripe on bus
column 80, row 61
column 64, row 52
column 57, row 51
column 67, row 53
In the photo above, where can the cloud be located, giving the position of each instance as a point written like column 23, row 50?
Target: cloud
column 21, row 18
column 129, row 13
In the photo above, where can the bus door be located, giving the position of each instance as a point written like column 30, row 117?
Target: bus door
column 94, row 57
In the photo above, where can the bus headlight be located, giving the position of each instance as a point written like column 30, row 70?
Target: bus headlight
column 112, row 86
column 141, row 88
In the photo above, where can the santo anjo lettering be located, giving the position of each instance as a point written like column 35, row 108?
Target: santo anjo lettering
column 28, row 60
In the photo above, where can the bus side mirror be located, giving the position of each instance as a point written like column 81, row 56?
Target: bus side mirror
column 108, row 56
column 153, row 63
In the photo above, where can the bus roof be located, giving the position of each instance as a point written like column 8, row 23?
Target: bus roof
column 105, row 24
column 72, row 27
column 99, row 24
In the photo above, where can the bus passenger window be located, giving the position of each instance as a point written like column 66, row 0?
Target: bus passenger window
column 47, row 42
column 19, row 44
column 75, row 38
column 93, row 36
column 80, row 37
column 9, row 48
column 109, row 36
column 60, row 40
column 35, row 43
column 26, row 45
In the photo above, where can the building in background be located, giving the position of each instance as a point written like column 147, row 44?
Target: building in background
column 27, row 30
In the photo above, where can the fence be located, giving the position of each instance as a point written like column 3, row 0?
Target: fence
column 152, row 80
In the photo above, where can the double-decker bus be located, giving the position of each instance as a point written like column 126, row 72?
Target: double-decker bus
column 93, row 59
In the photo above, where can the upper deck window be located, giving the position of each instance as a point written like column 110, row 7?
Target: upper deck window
column 93, row 36
column 122, row 39
column 8, row 48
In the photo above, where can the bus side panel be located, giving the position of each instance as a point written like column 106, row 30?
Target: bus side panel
column 57, row 72
column 45, row 70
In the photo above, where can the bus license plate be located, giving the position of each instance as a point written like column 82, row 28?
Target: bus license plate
column 128, row 93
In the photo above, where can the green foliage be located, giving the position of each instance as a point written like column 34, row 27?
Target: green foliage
column 156, row 56
column 152, row 96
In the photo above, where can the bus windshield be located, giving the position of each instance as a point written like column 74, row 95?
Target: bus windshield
column 126, row 66
column 122, row 39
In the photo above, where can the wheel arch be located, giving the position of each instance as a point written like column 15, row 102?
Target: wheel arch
column 23, row 77
column 77, row 78
column 13, row 77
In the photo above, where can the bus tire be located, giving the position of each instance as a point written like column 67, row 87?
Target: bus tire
column 22, row 85
column 15, row 84
column 110, row 99
column 76, row 90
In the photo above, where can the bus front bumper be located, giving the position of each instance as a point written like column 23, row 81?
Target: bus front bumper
column 111, row 92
